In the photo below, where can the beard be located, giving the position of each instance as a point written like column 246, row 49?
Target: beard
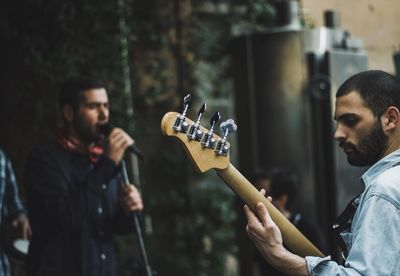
column 370, row 148
column 87, row 133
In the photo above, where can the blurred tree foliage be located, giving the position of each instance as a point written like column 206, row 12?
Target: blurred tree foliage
column 150, row 53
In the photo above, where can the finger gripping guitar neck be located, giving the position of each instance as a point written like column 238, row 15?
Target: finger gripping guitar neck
column 293, row 239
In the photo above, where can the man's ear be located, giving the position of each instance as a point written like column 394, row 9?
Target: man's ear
column 68, row 113
column 390, row 119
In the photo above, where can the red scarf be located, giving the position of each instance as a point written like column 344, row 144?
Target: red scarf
column 70, row 144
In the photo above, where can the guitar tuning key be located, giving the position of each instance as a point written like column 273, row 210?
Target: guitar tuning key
column 180, row 124
column 227, row 127
column 194, row 132
column 208, row 139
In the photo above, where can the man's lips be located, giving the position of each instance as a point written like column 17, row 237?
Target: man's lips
column 347, row 148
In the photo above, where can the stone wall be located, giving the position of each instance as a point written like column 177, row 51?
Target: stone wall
column 376, row 22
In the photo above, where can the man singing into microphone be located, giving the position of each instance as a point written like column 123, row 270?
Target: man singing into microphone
column 76, row 200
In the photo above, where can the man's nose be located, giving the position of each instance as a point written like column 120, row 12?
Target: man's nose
column 103, row 113
column 340, row 133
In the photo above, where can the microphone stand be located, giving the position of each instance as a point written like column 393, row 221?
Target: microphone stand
column 135, row 218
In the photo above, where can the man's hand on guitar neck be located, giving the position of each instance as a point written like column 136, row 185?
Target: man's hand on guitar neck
column 267, row 238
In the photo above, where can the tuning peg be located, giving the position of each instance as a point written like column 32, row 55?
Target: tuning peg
column 187, row 101
column 208, row 139
column 227, row 127
column 194, row 132
column 214, row 119
column 180, row 124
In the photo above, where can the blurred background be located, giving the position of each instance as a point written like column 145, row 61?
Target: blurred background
column 272, row 66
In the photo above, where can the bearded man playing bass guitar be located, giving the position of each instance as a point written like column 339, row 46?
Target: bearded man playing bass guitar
column 368, row 131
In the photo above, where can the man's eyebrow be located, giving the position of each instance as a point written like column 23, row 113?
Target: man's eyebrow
column 344, row 116
column 96, row 102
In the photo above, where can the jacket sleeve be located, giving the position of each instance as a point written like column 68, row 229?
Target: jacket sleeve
column 374, row 238
column 13, row 204
column 125, row 224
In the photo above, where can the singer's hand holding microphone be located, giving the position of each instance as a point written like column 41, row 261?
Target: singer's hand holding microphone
column 117, row 142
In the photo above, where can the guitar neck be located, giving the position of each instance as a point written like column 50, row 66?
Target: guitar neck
column 294, row 240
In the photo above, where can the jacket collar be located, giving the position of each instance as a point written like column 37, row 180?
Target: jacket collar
column 387, row 162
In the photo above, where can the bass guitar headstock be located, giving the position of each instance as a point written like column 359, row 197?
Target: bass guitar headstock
column 206, row 149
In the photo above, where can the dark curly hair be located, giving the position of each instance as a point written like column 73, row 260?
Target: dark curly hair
column 71, row 90
column 379, row 90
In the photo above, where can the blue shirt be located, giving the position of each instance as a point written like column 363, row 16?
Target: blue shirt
column 373, row 241
column 10, row 204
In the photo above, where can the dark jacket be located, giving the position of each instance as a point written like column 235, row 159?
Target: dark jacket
column 74, row 211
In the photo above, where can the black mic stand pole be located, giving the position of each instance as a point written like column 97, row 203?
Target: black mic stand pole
column 135, row 218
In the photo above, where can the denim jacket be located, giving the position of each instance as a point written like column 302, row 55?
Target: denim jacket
column 373, row 240
column 10, row 204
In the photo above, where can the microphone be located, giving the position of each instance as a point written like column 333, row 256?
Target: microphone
column 106, row 130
